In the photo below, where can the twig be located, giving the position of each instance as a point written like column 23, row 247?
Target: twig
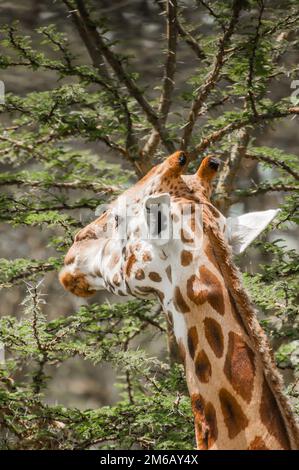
column 251, row 64
column 213, row 76
column 86, row 185
column 291, row 19
column 273, row 188
column 241, row 193
column 90, row 36
column 228, row 175
column 232, row 165
column 206, row 109
column 30, row 271
column 211, row 11
column 20, row 145
column 238, row 124
column 35, row 296
column 275, row 162
column 168, row 80
column 123, row 77
column 93, row 442
column 188, row 38
column 65, row 53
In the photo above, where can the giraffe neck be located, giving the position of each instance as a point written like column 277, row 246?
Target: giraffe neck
column 233, row 404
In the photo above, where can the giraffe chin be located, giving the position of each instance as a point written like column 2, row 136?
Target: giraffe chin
column 76, row 283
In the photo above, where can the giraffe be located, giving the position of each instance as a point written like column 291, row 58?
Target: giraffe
column 177, row 247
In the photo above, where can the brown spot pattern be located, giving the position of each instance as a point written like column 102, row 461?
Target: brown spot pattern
column 211, row 418
column 155, row 277
column 185, row 238
column 116, row 279
column 271, row 417
column 203, row 367
column 145, row 289
column 169, row 318
column 186, row 258
column 114, row 260
column 234, row 418
column 192, row 340
column 150, row 290
column 130, row 263
column 214, row 336
column 239, row 366
column 168, row 273
column 140, row 274
column 207, row 288
column 160, row 295
column 86, row 233
column 179, row 301
column 146, row 257
column 205, row 422
column 69, row 259
column 257, row 444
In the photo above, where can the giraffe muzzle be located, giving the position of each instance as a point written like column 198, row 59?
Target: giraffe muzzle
column 76, row 283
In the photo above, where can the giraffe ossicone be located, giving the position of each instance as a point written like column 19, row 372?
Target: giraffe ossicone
column 164, row 238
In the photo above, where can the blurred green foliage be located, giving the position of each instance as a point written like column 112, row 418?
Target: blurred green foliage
column 45, row 180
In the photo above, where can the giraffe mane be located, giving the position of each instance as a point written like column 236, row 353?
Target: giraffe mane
column 248, row 314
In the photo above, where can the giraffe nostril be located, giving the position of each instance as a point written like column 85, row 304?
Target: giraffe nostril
column 182, row 159
column 214, row 163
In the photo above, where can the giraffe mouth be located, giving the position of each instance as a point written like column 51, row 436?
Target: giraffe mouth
column 76, row 283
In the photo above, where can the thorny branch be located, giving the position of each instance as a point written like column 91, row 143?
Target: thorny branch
column 186, row 35
column 86, row 185
column 168, row 79
column 229, row 172
column 123, row 77
column 268, row 188
column 90, row 36
column 213, row 76
column 275, row 162
column 252, row 57
column 211, row 12
column 238, row 124
column 35, row 299
column 28, row 272
column 232, row 165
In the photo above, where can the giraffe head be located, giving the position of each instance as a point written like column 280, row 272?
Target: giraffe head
column 148, row 240
column 164, row 238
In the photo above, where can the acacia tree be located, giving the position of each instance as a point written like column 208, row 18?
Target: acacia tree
column 46, row 182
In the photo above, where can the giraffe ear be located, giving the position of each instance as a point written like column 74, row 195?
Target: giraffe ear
column 242, row 230
column 157, row 217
